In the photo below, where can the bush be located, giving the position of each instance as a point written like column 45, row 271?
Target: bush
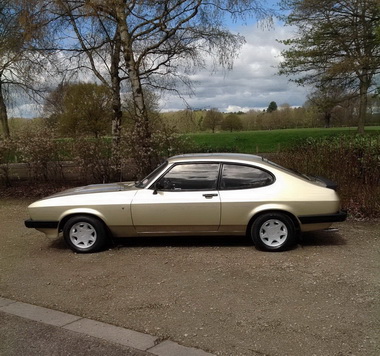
column 39, row 150
column 351, row 161
column 163, row 142
column 93, row 158
column 7, row 154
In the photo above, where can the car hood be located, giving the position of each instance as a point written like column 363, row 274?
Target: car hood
column 96, row 188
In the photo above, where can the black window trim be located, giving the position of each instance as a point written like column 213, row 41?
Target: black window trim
column 153, row 185
column 219, row 179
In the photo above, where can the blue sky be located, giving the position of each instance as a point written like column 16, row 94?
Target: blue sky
column 252, row 84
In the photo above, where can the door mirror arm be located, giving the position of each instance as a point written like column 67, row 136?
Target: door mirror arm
column 156, row 187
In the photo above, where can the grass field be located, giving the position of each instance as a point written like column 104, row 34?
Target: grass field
column 264, row 141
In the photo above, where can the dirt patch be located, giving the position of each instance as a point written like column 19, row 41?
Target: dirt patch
column 219, row 294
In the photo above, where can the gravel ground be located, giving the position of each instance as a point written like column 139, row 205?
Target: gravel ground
column 218, row 294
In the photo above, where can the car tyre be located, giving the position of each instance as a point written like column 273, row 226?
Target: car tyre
column 85, row 234
column 273, row 232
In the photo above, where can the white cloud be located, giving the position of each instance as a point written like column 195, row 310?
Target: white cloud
column 27, row 109
column 253, row 82
column 234, row 108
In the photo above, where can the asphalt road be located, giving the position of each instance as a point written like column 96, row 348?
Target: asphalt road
column 27, row 329
column 20, row 336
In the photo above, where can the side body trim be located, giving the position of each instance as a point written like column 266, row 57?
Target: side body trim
column 328, row 218
column 35, row 224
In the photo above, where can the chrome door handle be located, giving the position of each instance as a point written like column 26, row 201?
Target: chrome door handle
column 208, row 196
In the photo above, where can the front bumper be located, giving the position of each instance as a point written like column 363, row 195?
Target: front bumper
column 35, row 224
column 326, row 218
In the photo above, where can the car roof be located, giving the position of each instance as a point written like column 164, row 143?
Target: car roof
column 230, row 157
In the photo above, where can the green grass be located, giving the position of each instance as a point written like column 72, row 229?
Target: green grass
column 264, row 141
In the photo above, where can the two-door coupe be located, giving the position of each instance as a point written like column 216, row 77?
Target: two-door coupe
column 197, row 194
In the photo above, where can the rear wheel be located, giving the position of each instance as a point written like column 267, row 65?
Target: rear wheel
column 85, row 234
column 273, row 232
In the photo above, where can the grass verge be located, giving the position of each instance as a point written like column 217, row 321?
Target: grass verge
column 264, row 141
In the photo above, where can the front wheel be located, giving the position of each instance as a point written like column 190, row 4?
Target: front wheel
column 85, row 234
column 273, row 232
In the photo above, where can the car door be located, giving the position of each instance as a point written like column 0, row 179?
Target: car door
column 242, row 189
column 184, row 200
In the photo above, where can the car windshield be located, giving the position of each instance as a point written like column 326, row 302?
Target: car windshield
column 150, row 177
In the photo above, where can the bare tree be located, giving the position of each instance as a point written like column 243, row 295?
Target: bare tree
column 22, row 30
column 232, row 122
column 95, row 48
column 328, row 99
column 212, row 119
column 154, row 45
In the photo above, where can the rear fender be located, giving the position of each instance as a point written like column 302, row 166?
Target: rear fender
column 279, row 208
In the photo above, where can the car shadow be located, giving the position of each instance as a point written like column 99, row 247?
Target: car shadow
column 182, row 241
column 315, row 238
column 58, row 244
column 322, row 238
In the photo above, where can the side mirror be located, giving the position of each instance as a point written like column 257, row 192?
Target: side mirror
column 163, row 184
column 157, row 186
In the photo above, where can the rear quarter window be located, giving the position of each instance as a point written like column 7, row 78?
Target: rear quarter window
column 236, row 176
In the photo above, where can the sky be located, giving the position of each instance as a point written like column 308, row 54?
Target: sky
column 252, row 83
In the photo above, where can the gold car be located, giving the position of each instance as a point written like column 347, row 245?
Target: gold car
column 197, row 194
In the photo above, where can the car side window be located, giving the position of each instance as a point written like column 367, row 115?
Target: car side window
column 194, row 176
column 236, row 176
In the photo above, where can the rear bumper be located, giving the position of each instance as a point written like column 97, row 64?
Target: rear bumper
column 34, row 224
column 328, row 218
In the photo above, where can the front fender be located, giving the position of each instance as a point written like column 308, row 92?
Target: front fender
column 80, row 211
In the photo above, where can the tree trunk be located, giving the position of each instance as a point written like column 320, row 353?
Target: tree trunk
column 117, row 173
column 4, row 115
column 116, row 125
column 327, row 119
column 116, row 118
column 115, row 86
column 364, row 80
column 142, row 134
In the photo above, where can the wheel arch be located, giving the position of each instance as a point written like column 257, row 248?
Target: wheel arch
column 295, row 221
column 72, row 214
